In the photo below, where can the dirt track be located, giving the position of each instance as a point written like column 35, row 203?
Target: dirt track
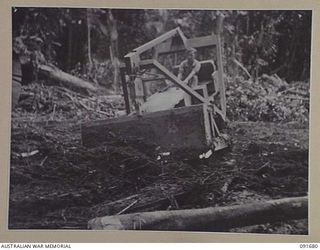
column 64, row 184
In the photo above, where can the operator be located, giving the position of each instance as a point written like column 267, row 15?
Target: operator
column 188, row 70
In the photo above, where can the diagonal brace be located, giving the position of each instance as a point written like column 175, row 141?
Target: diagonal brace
column 173, row 78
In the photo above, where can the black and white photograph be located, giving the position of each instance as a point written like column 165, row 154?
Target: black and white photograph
column 160, row 120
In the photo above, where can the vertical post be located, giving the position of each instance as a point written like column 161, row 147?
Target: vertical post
column 145, row 91
column 217, row 31
column 125, row 90
column 138, row 97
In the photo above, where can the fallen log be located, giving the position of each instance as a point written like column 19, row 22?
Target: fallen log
column 66, row 79
column 207, row 219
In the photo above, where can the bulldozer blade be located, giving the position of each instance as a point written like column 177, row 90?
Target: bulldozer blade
column 183, row 130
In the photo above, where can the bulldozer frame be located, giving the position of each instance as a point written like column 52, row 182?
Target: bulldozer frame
column 196, row 128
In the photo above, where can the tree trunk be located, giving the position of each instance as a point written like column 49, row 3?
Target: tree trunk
column 114, row 52
column 66, row 79
column 207, row 219
column 89, row 40
column 70, row 50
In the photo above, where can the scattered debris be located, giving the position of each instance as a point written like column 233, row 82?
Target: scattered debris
column 68, row 184
column 28, row 154
column 206, row 155
column 267, row 100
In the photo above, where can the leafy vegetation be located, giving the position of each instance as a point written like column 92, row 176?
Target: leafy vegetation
column 265, row 42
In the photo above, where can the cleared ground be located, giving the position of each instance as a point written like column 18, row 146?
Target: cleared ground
column 65, row 184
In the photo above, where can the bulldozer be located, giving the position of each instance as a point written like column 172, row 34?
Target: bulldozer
column 163, row 120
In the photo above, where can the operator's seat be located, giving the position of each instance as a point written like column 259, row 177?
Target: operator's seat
column 206, row 75
column 207, row 69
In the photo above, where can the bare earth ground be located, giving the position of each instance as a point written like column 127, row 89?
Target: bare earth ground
column 65, row 184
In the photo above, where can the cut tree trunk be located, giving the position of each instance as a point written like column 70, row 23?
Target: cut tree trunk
column 114, row 51
column 207, row 219
column 69, row 81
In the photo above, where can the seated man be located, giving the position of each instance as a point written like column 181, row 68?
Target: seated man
column 187, row 72
column 189, row 68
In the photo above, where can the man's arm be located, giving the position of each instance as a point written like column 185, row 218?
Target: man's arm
column 193, row 72
column 181, row 69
